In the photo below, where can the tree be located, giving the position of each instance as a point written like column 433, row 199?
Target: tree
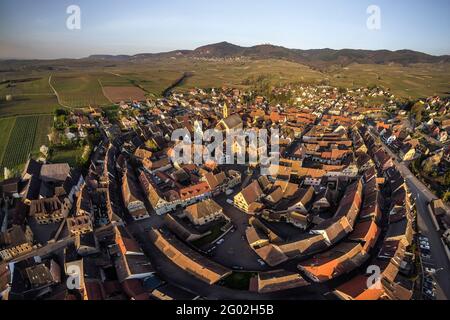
column 446, row 197
column 61, row 112
column 447, row 178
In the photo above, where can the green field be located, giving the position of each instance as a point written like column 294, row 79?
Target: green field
column 42, row 130
column 20, row 141
column 28, row 105
column 114, row 80
column 26, row 119
column 6, row 126
column 161, row 74
column 34, row 84
column 66, row 155
column 414, row 81
column 79, row 89
column 153, row 79
column 27, row 135
column 30, row 95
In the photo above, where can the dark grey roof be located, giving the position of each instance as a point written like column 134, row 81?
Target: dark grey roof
column 33, row 168
column 46, row 190
column 71, row 180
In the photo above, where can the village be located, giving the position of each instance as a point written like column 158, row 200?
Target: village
column 346, row 196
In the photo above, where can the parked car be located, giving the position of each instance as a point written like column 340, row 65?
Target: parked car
column 430, row 285
column 220, row 242
column 430, row 270
column 229, row 192
column 229, row 201
column 428, row 278
column 425, row 256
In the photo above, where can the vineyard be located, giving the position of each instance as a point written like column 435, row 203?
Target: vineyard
column 43, row 129
column 79, row 90
column 20, row 141
column 6, row 126
column 27, row 135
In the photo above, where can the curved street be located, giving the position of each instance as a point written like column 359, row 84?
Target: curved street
column 171, row 273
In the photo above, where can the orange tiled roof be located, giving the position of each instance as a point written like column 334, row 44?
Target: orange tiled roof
column 357, row 289
column 194, row 191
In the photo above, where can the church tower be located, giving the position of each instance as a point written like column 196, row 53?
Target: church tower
column 225, row 111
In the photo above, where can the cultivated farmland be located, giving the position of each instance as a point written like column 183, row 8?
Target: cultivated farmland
column 6, row 126
column 414, row 81
column 27, row 135
column 42, row 130
column 20, row 141
column 29, row 95
column 28, row 105
column 79, row 90
column 118, row 94
column 21, row 85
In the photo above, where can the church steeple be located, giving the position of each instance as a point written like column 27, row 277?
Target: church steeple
column 225, row 111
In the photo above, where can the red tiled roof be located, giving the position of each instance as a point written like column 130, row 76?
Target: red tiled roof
column 194, row 191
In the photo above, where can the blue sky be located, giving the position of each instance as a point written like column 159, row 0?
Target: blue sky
column 37, row 29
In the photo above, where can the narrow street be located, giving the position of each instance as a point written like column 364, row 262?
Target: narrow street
column 426, row 226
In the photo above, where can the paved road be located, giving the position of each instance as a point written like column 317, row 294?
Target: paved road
column 235, row 251
column 427, row 227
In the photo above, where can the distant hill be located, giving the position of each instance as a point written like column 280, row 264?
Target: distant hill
column 315, row 57
column 219, row 50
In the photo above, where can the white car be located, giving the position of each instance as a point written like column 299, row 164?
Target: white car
column 430, row 270
column 261, row 262
column 229, row 201
column 229, row 192
column 220, row 242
